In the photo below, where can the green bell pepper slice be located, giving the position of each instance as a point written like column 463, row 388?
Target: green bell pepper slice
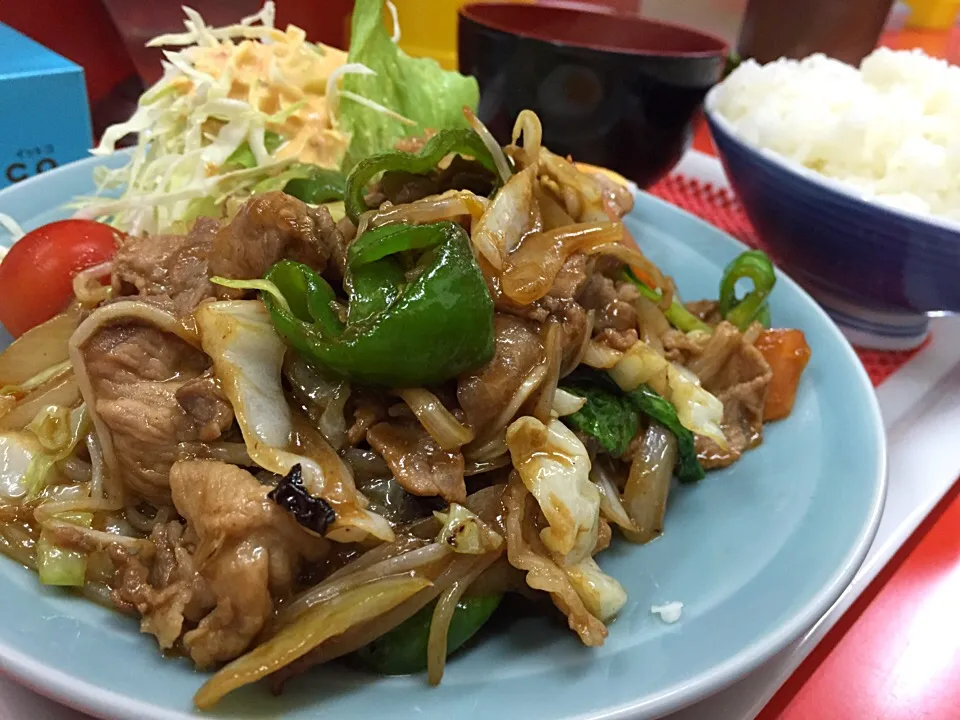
column 419, row 310
column 318, row 185
column 461, row 141
column 757, row 266
column 403, row 650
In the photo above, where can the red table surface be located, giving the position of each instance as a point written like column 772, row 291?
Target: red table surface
column 895, row 655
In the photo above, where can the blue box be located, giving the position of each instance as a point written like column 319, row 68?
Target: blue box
column 44, row 112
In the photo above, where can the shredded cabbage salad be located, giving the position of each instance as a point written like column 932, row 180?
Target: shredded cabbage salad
column 239, row 110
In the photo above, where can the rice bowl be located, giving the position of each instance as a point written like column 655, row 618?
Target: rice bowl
column 885, row 131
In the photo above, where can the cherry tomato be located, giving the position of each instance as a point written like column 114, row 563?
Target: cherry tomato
column 36, row 276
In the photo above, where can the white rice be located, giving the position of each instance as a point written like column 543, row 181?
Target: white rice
column 889, row 131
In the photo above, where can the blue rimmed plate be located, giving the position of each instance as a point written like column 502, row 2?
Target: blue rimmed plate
column 756, row 553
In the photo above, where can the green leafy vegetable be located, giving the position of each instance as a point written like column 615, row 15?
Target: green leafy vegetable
column 416, row 88
column 755, row 265
column 612, row 418
column 403, row 650
column 676, row 314
column 58, row 566
column 463, row 142
column 608, row 417
column 652, row 404
column 317, row 185
column 419, row 311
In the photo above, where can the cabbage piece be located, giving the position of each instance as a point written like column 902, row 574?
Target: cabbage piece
column 697, row 409
column 58, row 430
column 247, row 356
column 17, row 451
column 603, row 596
column 566, row 403
column 234, row 109
column 60, row 566
column 555, row 467
column 418, row 89
column 466, row 533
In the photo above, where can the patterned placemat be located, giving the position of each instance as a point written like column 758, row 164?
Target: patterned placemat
column 719, row 206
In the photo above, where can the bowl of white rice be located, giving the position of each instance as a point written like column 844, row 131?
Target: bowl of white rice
column 851, row 176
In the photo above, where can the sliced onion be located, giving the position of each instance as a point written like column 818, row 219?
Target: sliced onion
column 528, row 124
column 490, row 450
column 436, row 419
column 39, row 348
column 553, row 352
column 571, row 364
column 648, row 484
column 510, row 217
column 383, row 551
column 451, row 205
column 443, row 614
column 531, row 270
column 499, row 159
column 325, row 621
column 552, row 213
column 611, row 505
column 62, row 391
column 653, row 323
column 403, row 563
column 566, row 173
column 493, row 444
column 362, row 635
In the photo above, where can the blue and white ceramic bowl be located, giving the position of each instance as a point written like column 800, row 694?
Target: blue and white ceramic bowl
column 877, row 270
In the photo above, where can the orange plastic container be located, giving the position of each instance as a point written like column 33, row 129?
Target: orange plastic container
column 933, row 14
column 429, row 28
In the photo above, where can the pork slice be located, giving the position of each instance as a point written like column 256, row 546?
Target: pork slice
column 268, row 228
column 484, row 392
column 204, row 401
column 213, row 583
column 170, row 269
column 136, row 372
column 738, row 374
column 612, row 300
column 418, row 464
column 166, row 593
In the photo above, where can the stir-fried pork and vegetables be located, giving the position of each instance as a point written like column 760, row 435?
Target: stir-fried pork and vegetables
column 299, row 432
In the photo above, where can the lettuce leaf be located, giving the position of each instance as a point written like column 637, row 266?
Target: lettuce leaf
column 416, row 88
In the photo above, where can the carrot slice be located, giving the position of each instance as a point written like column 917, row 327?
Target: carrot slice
column 788, row 353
